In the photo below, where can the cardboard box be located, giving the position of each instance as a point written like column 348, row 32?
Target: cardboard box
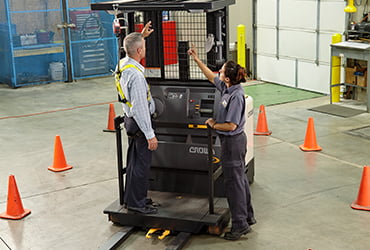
column 362, row 80
column 350, row 75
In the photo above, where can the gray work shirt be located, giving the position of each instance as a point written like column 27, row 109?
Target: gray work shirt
column 231, row 107
column 136, row 90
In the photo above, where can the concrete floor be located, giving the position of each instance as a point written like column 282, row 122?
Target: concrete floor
column 301, row 199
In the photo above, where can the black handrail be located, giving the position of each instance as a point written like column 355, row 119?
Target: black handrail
column 121, row 170
column 212, row 175
column 210, row 171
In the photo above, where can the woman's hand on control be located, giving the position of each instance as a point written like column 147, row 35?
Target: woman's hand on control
column 211, row 122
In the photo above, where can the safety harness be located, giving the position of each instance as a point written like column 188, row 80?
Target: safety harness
column 121, row 97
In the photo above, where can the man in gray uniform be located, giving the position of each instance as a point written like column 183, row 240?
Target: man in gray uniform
column 138, row 106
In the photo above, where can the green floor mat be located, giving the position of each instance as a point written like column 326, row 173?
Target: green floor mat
column 271, row 94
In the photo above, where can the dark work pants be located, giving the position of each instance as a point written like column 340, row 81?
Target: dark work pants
column 233, row 151
column 137, row 171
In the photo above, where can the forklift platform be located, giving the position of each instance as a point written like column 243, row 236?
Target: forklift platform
column 176, row 212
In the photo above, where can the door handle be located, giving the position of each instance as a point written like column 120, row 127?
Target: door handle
column 66, row 25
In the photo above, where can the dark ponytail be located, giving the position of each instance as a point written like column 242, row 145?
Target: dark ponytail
column 235, row 72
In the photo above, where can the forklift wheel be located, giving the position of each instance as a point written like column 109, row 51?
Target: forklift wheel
column 219, row 229
column 215, row 230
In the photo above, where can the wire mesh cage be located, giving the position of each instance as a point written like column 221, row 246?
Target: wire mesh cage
column 178, row 25
column 180, row 30
column 167, row 56
column 190, row 31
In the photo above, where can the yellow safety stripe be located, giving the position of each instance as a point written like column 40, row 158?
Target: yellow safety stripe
column 130, row 66
column 150, row 232
column 154, row 230
column 118, row 85
column 164, row 234
column 215, row 159
column 202, row 126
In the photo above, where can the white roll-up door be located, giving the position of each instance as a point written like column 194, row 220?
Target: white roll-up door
column 293, row 40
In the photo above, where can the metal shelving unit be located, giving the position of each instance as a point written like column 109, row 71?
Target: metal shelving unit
column 57, row 40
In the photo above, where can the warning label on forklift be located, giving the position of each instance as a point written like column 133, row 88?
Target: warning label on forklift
column 153, row 72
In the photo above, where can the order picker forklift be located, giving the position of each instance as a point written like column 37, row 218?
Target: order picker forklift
column 186, row 175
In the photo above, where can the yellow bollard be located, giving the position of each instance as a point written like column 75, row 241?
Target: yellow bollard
column 350, row 8
column 335, row 71
column 241, row 45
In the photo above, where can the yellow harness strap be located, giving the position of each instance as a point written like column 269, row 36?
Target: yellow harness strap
column 118, row 85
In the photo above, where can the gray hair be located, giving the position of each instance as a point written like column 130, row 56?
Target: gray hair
column 132, row 42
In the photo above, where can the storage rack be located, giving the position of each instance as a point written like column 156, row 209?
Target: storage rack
column 92, row 52
column 36, row 36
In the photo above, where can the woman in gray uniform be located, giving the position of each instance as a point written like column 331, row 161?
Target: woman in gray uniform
column 229, row 125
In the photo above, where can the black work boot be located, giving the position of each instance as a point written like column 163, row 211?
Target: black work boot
column 235, row 234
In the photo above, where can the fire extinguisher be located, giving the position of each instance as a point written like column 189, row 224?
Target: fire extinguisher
column 116, row 27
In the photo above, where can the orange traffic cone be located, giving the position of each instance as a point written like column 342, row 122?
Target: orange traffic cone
column 310, row 143
column 14, row 208
column 59, row 163
column 262, row 128
column 363, row 197
column 112, row 114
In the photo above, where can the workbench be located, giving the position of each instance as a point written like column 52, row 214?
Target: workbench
column 353, row 50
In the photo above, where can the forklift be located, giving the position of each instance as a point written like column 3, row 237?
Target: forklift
column 186, row 176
